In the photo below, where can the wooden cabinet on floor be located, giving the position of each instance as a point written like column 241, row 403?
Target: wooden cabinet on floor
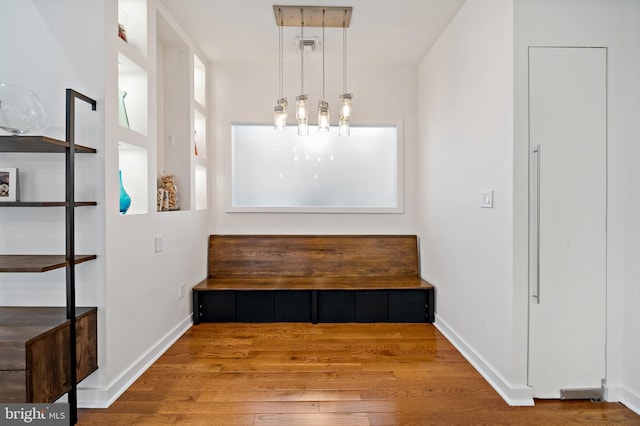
column 34, row 360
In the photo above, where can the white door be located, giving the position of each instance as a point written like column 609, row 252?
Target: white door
column 568, row 148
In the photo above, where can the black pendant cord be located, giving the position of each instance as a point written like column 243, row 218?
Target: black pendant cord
column 71, row 95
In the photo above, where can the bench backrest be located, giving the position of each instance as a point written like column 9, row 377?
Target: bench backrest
column 312, row 255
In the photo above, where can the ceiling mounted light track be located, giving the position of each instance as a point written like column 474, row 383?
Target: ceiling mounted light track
column 321, row 17
column 334, row 16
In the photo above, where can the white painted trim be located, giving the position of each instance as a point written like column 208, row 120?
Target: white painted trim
column 631, row 400
column 398, row 209
column 624, row 396
column 103, row 397
column 515, row 396
column 612, row 393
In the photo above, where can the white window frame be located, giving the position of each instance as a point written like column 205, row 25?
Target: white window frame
column 399, row 199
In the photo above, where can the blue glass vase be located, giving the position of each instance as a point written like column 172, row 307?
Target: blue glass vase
column 125, row 200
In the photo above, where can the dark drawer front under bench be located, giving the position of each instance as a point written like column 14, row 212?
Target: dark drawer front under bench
column 411, row 306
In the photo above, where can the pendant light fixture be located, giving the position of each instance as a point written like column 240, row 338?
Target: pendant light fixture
column 302, row 114
column 345, row 98
column 323, row 106
column 280, row 114
column 316, row 17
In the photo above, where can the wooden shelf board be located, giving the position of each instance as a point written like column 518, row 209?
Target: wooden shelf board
column 45, row 203
column 38, row 144
column 22, row 323
column 37, row 262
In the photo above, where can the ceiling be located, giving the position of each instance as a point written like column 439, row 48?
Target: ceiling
column 381, row 32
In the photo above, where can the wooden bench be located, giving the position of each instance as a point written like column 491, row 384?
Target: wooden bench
column 317, row 278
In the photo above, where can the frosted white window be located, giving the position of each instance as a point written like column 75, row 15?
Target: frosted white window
column 281, row 171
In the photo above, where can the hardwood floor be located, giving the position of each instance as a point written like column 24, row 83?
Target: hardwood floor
column 327, row 374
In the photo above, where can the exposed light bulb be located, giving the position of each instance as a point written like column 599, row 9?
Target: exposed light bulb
column 345, row 114
column 323, row 116
column 280, row 115
column 302, row 115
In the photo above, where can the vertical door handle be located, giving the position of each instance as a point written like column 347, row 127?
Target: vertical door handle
column 536, row 151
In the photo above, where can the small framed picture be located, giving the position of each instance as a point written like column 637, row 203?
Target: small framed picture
column 9, row 184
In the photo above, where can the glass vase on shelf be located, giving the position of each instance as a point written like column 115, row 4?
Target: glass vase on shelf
column 125, row 200
column 168, row 184
column 20, row 110
column 123, row 118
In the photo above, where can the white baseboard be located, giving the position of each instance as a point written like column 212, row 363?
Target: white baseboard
column 516, row 396
column 624, row 396
column 631, row 400
column 103, row 396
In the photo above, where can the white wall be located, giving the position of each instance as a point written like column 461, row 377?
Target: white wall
column 42, row 52
column 71, row 43
column 53, row 50
column 603, row 23
column 143, row 311
column 631, row 328
column 467, row 83
column 381, row 94
column 466, row 148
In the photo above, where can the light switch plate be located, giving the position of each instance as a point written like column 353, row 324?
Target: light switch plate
column 159, row 243
column 486, row 201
